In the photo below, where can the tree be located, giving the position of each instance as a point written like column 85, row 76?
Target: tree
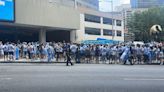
column 141, row 22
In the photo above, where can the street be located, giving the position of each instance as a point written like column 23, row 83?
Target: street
column 81, row 78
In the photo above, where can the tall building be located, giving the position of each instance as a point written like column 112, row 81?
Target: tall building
column 146, row 3
column 126, row 14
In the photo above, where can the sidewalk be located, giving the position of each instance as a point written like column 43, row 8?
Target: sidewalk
column 46, row 62
column 54, row 61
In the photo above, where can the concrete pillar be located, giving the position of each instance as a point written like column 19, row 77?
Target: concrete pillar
column 73, row 36
column 101, row 20
column 102, row 33
column 42, row 36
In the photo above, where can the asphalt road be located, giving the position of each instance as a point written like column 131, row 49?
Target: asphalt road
column 81, row 78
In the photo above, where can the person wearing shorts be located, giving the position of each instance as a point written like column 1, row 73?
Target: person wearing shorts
column 6, row 52
column 11, row 51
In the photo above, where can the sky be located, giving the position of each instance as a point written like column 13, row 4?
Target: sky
column 106, row 6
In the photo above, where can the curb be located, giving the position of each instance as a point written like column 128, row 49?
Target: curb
column 46, row 62
column 30, row 62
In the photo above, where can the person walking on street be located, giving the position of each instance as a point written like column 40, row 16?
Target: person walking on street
column 68, row 58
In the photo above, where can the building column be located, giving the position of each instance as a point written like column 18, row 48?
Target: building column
column 42, row 36
column 102, row 33
column 73, row 36
column 101, row 20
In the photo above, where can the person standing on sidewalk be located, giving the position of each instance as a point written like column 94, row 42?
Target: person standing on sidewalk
column 11, row 51
column 1, row 50
column 77, row 58
column 6, row 52
column 50, row 53
column 97, row 54
column 131, row 55
column 25, row 50
column 161, row 56
column 139, row 54
column 17, row 52
column 146, row 54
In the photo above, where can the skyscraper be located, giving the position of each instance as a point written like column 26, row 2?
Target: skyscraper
column 146, row 3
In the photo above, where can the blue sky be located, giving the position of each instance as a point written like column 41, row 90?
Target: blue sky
column 106, row 6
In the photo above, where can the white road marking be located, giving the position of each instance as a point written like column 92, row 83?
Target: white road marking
column 144, row 79
column 2, row 79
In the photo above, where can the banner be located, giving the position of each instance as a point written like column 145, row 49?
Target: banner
column 7, row 10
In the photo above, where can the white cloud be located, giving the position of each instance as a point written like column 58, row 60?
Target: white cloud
column 2, row 3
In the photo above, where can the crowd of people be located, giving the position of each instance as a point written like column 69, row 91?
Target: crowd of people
column 83, row 53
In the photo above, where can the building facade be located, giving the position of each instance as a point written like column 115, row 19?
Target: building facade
column 42, row 17
column 55, row 21
column 146, row 3
column 98, row 25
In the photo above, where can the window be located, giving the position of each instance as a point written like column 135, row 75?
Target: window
column 119, row 33
column 118, row 23
column 92, row 18
column 107, row 21
column 92, row 31
column 107, row 32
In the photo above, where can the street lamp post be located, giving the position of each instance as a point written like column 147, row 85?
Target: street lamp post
column 113, row 32
column 75, row 4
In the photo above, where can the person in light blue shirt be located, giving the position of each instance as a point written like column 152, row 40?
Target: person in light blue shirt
column 16, row 53
column 49, row 53
column 124, row 56
column 146, row 54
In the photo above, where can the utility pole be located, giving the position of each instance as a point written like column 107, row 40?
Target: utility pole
column 75, row 4
column 113, row 23
column 111, row 1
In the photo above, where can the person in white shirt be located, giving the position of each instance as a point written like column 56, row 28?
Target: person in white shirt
column 25, row 50
column 11, row 51
column 31, row 51
column 73, row 49
column 6, row 51
column 1, row 50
